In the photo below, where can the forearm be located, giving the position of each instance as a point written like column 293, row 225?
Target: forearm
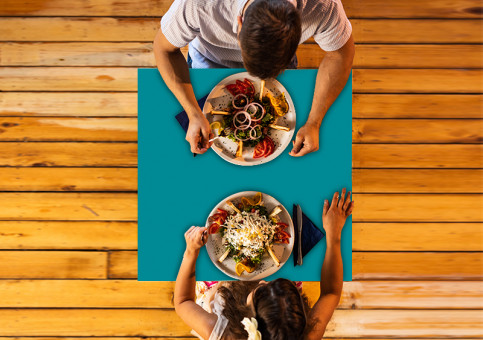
column 186, row 280
column 174, row 70
column 331, row 278
column 334, row 70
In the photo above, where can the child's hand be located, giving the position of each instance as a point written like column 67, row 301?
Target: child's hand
column 335, row 214
column 196, row 238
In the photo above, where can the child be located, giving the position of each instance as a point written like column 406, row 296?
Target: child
column 263, row 310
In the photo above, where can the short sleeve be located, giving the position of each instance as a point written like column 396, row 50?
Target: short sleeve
column 335, row 30
column 180, row 24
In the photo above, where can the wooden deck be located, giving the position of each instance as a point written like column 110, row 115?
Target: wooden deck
column 68, row 179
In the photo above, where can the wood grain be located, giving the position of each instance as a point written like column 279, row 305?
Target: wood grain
column 149, row 322
column 68, row 179
column 365, row 266
column 69, row 206
column 417, row 237
column 309, row 55
column 125, row 79
column 62, row 235
column 417, row 156
column 417, row 81
column 69, row 154
column 144, row 29
column 135, row 294
column 68, row 104
column 68, row 129
column 418, row 208
column 424, row 131
column 417, row 106
column 416, row 265
column 52, row 265
column 353, row 8
column 417, row 181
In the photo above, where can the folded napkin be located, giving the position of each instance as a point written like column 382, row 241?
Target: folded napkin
column 311, row 235
column 182, row 117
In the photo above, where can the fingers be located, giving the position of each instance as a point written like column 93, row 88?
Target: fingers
column 347, row 201
column 196, row 144
column 189, row 231
column 342, row 198
column 326, row 208
column 297, row 145
column 349, row 210
column 335, row 199
column 206, row 133
column 305, row 150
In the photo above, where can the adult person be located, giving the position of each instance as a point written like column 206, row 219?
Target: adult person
column 274, row 310
column 262, row 36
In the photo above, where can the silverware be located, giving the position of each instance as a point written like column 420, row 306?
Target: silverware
column 299, row 224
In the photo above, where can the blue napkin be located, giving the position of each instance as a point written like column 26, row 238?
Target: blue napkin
column 311, row 235
column 182, row 117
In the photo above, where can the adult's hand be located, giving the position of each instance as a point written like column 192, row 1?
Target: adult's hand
column 199, row 133
column 306, row 141
column 335, row 214
column 196, row 238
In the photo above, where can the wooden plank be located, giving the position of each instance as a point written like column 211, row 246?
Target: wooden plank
column 68, row 79
column 68, row 179
column 413, row 31
column 417, row 131
column 418, row 208
column 68, row 104
column 365, row 266
column 69, row 206
column 62, row 235
column 152, row 322
column 417, row 237
column 417, row 181
column 353, row 8
column 417, row 106
column 123, row 265
column 136, row 294
column 417, row 81
column 416, row 266
column 52, row 265
column 39, row 154
column 379, row 31
column 309, row 55
column 125, row 79
column 417, row 156
column 398, row 56
column 68, row 129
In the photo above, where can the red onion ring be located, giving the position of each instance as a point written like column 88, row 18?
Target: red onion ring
column 238, row 138
column 247, row 109
column 235, row 98
column 244, row 124
column 254, row 129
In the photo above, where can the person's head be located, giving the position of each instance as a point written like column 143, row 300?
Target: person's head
column 278, row 306
column 269, row 35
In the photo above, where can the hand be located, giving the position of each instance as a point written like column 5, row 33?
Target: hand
column 199, row 133
column 334, row 216
column 196, row 238
column 306, row 141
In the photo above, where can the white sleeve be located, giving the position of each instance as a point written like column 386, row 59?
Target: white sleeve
column 335, row 29
column 180, row 25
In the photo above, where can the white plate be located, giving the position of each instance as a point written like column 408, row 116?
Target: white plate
column 219, row 98
column 266, row 267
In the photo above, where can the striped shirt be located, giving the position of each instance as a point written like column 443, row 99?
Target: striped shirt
column 210, row 28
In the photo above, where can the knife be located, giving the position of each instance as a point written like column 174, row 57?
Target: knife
column 299, row 224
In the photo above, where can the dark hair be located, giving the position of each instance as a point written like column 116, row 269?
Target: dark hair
column 280, row 310
column 269, row 37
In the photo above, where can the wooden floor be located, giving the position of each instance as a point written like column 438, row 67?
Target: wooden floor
column 68, row 178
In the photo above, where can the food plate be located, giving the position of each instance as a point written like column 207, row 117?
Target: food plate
column 267, row 266
column 219, row 99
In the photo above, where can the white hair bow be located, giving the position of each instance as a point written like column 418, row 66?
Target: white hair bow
column 251, row 326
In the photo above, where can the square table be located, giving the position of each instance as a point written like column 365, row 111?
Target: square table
column 177, row 190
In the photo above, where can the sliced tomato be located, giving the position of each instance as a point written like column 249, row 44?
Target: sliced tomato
column 283, row 234
column 213, row 228
column 270, row 146
column 223, row 213
column 260, row 149
column 233, row 89
column 282, row 224
column 251, row 88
